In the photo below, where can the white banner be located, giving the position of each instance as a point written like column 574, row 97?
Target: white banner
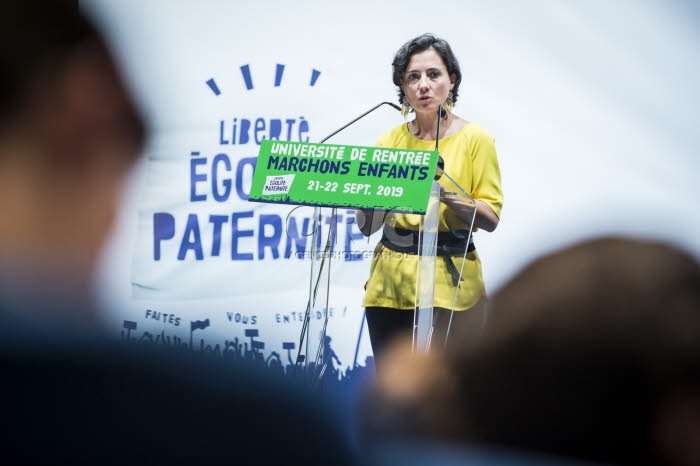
column 593, row 135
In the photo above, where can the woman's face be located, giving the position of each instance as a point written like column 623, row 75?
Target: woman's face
column 426, row 82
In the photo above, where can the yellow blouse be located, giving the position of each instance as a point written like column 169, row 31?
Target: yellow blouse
column 470, row 159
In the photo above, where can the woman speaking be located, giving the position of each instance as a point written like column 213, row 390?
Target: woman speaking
column 428, row 77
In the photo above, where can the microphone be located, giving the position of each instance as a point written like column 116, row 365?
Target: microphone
column 359, row 118
column 440, row 169
column 441, row 113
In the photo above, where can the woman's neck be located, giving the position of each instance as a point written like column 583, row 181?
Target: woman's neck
column 425, row 126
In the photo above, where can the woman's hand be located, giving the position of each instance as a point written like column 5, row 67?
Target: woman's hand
column 485, row 219
column 369, row 221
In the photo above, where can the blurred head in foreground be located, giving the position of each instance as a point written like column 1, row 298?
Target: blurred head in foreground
column 68, row 136
column 69, row 133
column 591, row 352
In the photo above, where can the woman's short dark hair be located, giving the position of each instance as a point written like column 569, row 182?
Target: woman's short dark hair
column 421, row 44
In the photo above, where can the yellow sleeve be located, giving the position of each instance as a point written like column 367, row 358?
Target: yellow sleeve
column 487, row 173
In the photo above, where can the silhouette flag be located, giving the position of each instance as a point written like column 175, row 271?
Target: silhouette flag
column 199, row 325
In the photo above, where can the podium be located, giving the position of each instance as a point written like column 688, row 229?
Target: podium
column 392, row 179
column 313, row 354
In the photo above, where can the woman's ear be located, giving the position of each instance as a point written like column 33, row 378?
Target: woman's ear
column 453, row 80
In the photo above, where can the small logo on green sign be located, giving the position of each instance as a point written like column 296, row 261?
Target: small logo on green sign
column 331, row 175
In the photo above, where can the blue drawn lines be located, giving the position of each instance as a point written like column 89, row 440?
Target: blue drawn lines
column 212, row 85
column 314, row 76
column 278, row 75
column 248, row 78
column 245, row 69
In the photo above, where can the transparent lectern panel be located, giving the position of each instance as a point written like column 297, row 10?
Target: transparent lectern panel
column 333, row 320
column 312, row 344
column 425, row 275
column 451, row 194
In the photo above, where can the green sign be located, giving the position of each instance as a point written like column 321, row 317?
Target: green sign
column 333, row 175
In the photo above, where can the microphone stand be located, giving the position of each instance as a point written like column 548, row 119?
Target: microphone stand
column 423, row 322
column 359, row 118
column 314, row 285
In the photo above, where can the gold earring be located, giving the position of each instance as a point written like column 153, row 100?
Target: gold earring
column 449, row 103
column 405, row 107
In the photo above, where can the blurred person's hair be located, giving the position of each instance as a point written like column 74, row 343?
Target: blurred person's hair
column 40, row 39
column 583, row 350
column 590, row 353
